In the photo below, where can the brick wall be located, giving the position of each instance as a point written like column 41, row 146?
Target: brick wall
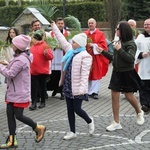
column 106, row 24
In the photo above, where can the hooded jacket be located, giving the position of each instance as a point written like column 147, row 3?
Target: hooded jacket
column 40, row 64
column 17, row 73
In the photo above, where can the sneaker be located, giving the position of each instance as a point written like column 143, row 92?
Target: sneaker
column 70, row 135
column 114, row 126
column 91, row 126
column 140, row 118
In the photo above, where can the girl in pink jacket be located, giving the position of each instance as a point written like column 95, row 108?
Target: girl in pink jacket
column 18, row 90
column 75, row 73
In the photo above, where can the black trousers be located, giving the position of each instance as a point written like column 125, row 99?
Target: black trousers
column 38, row 87
column 53, row 83
column 145, row 93
column 14, row 113
column 74, row 106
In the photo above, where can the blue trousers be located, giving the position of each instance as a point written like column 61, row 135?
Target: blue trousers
column 74, row 106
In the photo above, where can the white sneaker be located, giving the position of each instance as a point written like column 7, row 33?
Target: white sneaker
column 91, row 126
column 114, row 126
column 70, row 135
column 140, row 118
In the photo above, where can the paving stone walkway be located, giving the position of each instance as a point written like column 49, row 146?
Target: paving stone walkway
column 54, row 117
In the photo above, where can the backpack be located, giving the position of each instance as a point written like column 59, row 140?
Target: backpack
column 110, row 46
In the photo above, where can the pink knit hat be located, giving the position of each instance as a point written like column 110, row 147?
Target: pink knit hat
column 22, row 42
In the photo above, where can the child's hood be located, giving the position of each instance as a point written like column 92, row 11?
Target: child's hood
column 29, row 56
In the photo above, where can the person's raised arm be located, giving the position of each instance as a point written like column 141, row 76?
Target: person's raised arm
column 60, row 37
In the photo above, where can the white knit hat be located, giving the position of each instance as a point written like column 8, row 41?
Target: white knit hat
column 21, row 42
column 80, row 39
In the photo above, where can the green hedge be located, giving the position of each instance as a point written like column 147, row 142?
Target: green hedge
column 82, row 11
column 9, row 14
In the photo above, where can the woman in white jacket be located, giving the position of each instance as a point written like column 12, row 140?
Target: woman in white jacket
column 75, row 72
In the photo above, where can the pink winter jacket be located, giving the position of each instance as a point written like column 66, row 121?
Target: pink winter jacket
column 81, row 66
column 17, row 73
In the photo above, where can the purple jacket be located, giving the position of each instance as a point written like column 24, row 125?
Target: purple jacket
column 17, row 73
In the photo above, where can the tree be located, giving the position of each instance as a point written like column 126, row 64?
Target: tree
column 113, row 10
column 19, row 2
column 137, row 9
column 7, row 2
column 44, row 7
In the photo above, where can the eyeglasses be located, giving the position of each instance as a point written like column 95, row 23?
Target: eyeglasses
column 146, row 24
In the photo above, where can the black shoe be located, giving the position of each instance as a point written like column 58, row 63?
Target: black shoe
column 95, row 96
column 145, row 108
column 33, row 107
column 42, row 105
column 62, row 98
column 54, row 93
column 90, row 95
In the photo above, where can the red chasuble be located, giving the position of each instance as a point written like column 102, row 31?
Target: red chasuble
column 100, row 63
